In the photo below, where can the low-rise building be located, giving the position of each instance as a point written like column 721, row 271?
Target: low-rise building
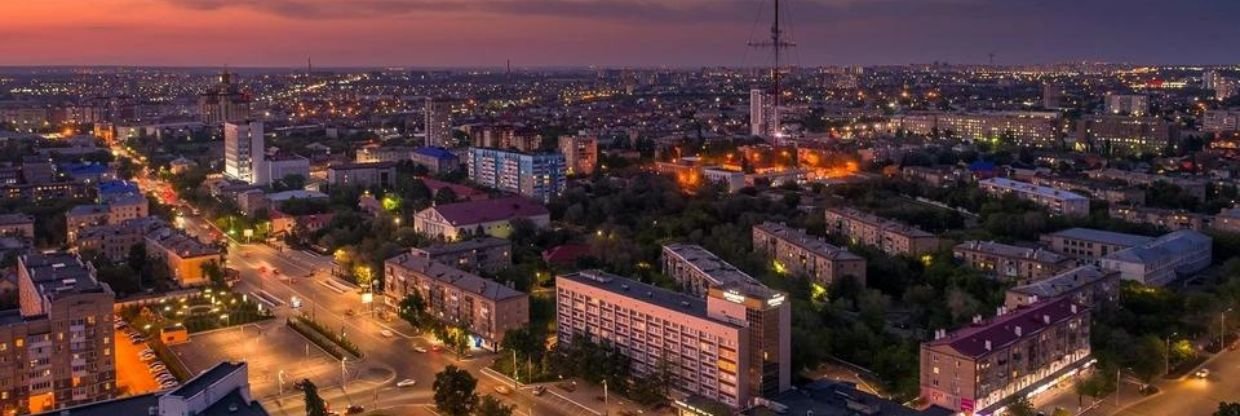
column 795, row 252
column 117, row 210
column 1091, row 244
column 185, row 256
column 1164, row 259
column 1054, row 200
column 436, row 160
column 484, row 307
column 114, row 241
column 58, row 345
column 487, row 254
column 983, row 366
column 222, row 390
column 1008, row 262
column 1227, row 221
column 1169, row 219
column 381, row 174
column 1085, row 285
column 491, row 217
column 17, row 225
column 890, row 236
column 934, row 176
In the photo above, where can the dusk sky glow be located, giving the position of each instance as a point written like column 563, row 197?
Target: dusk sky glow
column 685, row 33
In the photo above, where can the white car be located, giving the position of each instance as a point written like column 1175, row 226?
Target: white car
column 406, row 383
column 419, row 349
column 386, row 333
column 1202, row 373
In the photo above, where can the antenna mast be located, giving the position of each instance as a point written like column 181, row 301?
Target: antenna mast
column 777, row 45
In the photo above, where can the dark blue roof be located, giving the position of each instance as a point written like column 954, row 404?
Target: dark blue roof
column 118, row 187
column 981, row 166
column 435, row 152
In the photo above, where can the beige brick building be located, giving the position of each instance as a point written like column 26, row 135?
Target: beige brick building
column 798, row 253
column 892, row 237
column 1009, row 262
column 484, row 307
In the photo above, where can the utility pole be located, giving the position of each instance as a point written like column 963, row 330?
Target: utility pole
column 343, row 380
column 606, row 402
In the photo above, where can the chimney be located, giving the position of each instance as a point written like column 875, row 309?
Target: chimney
column 1018, row 331
column 1046, row 319
column 987, row 345
column 1073, row 308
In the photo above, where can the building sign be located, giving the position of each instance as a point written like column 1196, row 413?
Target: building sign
column 733, row 296
column 776, row 300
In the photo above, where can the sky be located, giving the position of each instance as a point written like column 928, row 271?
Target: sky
column 610, row 33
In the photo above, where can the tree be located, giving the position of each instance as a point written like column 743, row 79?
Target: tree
column 315, row 406
column 454, row 391
column 1021, row 407
column 1228, row 409
column 137, row 257
column 412, row 308
column 445, row 195
column 490, row 406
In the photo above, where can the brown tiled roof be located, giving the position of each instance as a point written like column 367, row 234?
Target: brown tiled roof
column 1001, row 330
column 476, row 212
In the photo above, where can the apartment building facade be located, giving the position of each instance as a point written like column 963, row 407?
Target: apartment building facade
column 1163, row 260
column 1008, row 262
column 484, row 307
column 892, row 237
column 487, row 254
column 1085, row 285
column 538, row 176
column 798, row 253
column 1054, row 200
column 1169, row 219
column 1090, row 244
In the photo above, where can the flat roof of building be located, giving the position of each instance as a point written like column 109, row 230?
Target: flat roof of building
column 807, row 242
column 55, row 274
column 878, row 221
column 1034, row 189
column 231, row 403
column 181, row 243
column 480, row 243
column 824, row 397
column 1100, row 236
column 15, row 219
column 463, row 280
column 642, row 292
column 721, row 273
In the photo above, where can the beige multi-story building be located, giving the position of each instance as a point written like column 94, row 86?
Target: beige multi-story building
column 795, row 252
column 185, row 256
column 981, row 367
column 17, row 225
column 1123, row 135
column 1010, row 262
column 487, row 254
column 1028, row 128
column 1085, row 285
column 117, row 210
column 484, row 307
column 1164, row 259
column 1095, row 189
column 890, row 236
column 707, row 346
column 1056, row 201
column 114, row 241
column 1090, row 244
column 580, row 153
column 56, row 350
column 1170, row 219
column 703, row 274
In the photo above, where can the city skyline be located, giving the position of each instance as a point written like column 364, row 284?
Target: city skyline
column 541, row 33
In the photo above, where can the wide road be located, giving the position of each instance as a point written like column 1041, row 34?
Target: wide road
column 1192, row 396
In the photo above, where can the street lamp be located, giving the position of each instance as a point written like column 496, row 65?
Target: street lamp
column 1167, row 354
column 1222, row 329
column 343, row 380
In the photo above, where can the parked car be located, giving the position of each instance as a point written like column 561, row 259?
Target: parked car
column 502, row 389
column 539, row 390
column 419, row 349
column 355, row 409
column 386, row 333
column 1202, row 373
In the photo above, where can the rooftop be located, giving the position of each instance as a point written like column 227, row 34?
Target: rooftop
column 55, row 274
column 979, row 339
column 465, row 281
column 826, row 397
column 878, row 221
column 232, row 403
column 1033, row 189
column 666, row 299
column 182, row 244
column 14, row 219
column 807, row 242
column 721, row 273
column 1010, row 251
column 1105, row 237
column 435, row 152
column 476, row 212
column 480, row 243
column 1164, row 249
column 1065, row 282
column 362, row 165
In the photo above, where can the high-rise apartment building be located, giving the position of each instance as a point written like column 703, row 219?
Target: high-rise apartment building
column 707, row 346
column 1128, row 104
column 1125, row 135
column 1218, row 121
column 763, row 114
column 538, row 176
column 580, row 153
column 438, row 114
column 736, row 297
column 983, row 366
column 57, row 349
column 244, row 157
column 223, row 103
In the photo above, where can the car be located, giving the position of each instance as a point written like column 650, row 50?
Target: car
column 168, row 379
column 355, row 409
column 138, row 340
column 406, row 382
column 148, row 358
column 419, row 349
column 502, row 389
column 386, row 333
column 539, row 390
column 1202, row 373
column 436, row 348
column 164, row 375
column 158, row 367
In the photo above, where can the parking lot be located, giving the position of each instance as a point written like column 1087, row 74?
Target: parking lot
column 269, row 348
column 132, row 376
